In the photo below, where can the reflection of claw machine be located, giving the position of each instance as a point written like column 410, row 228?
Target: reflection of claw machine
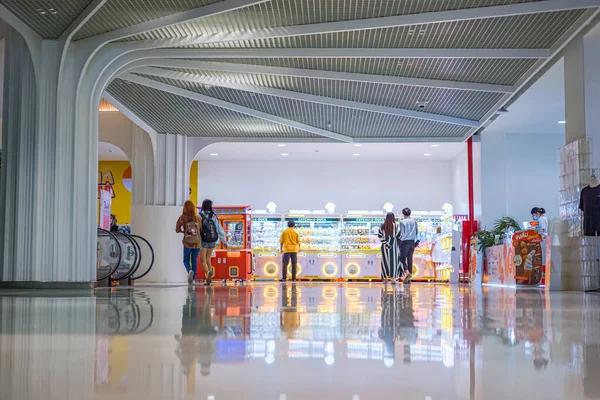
column 266, row 231
column 235, row 262
column 319, row 256
column 361, row 258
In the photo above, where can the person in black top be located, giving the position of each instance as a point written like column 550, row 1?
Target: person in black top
column 114, row 227
column 589, row 203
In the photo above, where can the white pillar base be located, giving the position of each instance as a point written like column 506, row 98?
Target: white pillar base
column 157, row 225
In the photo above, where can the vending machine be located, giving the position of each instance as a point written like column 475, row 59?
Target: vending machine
column 361, row 257
column 234, row 262
column 320, row 248
column 266, row 231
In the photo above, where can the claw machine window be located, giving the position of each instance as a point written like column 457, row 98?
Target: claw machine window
column 361, row 256
column 266, row 231
column 235, row 261
column 320, row 244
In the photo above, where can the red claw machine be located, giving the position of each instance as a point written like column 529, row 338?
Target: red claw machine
column 235, row 262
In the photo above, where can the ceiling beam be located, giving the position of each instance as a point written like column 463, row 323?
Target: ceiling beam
column 81, row 20
column 128, row 113
column 174, row 19
column 233, row 107
column 589, row 19
column 333, row 75
column 305, row 97
column 337, row 52
column 406, row 20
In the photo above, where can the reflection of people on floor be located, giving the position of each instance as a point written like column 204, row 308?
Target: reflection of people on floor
column 388, row 324
column 406, row 331
column 530, row 325
column 397, row 323
column 290, row 317
column 198, row 339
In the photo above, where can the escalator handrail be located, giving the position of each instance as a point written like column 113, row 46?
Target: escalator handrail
column 120, row 254
column 151, row 261
column 138, row 260
column 135, row 261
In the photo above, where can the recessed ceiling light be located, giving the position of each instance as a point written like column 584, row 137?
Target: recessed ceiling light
column 285, row 154
column 214, row 154
column 357, row 145
column 355, row 155
column 435, row 145
column 281, row 145
column 426, row 154
column 562, row 122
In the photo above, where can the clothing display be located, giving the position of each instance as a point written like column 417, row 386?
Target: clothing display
column 590, row 205
column 438, row 255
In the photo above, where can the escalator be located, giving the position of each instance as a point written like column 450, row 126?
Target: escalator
column 122, row 258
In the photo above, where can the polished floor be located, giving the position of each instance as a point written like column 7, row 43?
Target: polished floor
column 299, row 341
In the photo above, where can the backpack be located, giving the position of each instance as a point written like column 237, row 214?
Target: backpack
column 209, row 229
column 192, row 232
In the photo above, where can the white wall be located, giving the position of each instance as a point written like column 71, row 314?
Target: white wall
column 460, row 183
column 519, row 171
column 117, row 129
column 356, row 185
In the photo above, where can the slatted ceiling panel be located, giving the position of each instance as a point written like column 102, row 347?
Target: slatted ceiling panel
column 278, row 13
column 116, row 14
column 457, row 103
column 532, row 31
column 352, row 122
column 494, row 71
column 169, row 113
column 49, row 18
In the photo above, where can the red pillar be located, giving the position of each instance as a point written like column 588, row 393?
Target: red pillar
column 470, row 177
column 470, row 227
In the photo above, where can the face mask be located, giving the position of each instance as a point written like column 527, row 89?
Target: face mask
column 535, row 217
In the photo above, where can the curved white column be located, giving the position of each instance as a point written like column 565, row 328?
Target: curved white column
column 47, row 199
column 160, row 187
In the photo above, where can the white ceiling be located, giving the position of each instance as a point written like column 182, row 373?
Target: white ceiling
column 539, row 109
column 331, row 151
column 110, row 152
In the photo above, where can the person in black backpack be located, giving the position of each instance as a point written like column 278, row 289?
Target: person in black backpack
column 189, row 223
column 211, row 233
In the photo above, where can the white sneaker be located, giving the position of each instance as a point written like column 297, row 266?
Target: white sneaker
column 191, row 278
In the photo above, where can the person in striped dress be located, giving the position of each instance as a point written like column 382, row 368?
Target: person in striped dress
column 389, row 235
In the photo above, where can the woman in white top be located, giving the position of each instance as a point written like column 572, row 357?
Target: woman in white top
column 539, row 214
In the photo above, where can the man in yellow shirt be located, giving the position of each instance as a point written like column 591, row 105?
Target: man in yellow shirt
column 290, row 245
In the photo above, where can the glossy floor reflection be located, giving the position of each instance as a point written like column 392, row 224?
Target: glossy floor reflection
column 300, row 341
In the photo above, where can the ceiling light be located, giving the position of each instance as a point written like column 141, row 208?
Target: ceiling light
column 285, row 154
column 435, row 145
column 426, row 154
column 214, row 154
column 357, row 145
column 281, row 145
column 355, row 155
column 422, row 104
column 562, row 122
